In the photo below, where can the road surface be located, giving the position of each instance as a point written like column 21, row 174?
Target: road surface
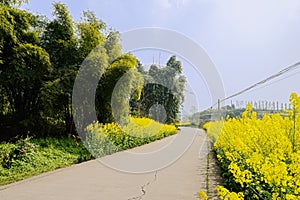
column 93, row 180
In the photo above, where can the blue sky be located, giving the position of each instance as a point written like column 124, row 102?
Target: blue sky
column 247, row 40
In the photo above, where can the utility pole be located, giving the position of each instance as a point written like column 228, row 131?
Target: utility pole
column 219, row 106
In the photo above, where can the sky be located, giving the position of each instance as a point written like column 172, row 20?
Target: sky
column 246, row 40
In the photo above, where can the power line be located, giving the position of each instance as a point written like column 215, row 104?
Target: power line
column 276, row 81
column 280, row 73
column 285, row 70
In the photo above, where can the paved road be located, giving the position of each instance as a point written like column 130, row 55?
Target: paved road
column 93, row 180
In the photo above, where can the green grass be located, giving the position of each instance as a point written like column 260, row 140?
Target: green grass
column 29, row 157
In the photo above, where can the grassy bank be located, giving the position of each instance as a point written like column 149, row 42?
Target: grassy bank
column 29, row 157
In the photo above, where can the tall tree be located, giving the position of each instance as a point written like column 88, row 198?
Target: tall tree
column 112, row 46
column 60, row 41
column 23, row 64
column 90, row 34
column 166, row 88
column 112, row 93
column 68, row 51
column 59, row 38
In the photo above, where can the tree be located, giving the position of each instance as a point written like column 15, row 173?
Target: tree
column 12, row 2
column 23, row 66
column 59, row 39
column 90, row 34
column 163, row 86
column 175, row 64
column 89, row 47
column 123, row 69
column 112, row 46
column 40, row 59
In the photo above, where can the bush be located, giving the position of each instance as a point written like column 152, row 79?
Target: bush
column 18, row 151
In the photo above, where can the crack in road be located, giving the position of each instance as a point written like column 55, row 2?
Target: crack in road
column 143, row 190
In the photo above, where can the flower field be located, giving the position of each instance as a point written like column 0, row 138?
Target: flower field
column 259, row 158
column 105, row 139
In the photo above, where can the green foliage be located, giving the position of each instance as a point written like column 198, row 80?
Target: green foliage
column 123, row 67
column 90, row 31
column 18, row 151
column 97, row 142
column 112, row 46
column 28, row 157
column 24, row 66
column 68, row 49
column 201, row 118
column 174, row 64
column 40, row 58
column 59, row 39
column 12, row 2
column 163, row 86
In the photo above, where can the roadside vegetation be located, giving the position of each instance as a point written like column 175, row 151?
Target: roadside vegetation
column 259, row 157
column 28, row 157
column 32, row 156
column 40, row 59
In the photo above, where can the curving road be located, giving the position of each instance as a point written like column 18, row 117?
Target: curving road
column 94, row 181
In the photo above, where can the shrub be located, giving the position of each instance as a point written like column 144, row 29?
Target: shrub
column 18, row 151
